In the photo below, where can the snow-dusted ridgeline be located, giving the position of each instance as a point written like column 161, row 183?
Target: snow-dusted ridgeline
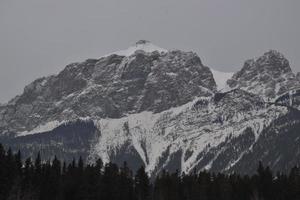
column 142, row 45
column 184, row 128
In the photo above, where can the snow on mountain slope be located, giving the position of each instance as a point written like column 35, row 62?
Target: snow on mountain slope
column 221, row 78
column 49, row 126
column 195, row 129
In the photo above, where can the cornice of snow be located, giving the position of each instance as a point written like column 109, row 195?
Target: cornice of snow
column 142, row 45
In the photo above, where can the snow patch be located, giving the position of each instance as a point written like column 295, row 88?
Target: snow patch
column 221, row 78
column 49, row 126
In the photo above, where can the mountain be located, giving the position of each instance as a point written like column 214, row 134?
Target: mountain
column 111, row 86
column 162, row 109
column 269, row 76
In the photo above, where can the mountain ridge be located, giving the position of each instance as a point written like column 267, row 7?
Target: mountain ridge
column 160, row 108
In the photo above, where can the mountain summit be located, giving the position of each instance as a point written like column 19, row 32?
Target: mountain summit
column 141, row 45
column 162, row 109
column 139, row 79
column 269, row 75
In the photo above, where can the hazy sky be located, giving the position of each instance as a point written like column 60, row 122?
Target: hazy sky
column 39, row 37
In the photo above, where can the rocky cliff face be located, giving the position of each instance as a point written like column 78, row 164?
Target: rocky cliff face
column 159, row 108
column 111, row 86
column 269, row 76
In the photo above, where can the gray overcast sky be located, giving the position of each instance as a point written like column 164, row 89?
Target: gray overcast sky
column 39, row 37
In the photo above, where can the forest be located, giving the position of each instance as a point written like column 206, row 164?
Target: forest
column 35, row 179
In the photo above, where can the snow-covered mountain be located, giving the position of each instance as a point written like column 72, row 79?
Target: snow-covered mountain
column 162, row 109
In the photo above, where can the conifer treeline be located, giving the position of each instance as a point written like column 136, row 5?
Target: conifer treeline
column 36, row 180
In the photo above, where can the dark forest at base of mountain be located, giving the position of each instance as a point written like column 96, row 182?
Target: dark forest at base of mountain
column 56, row 180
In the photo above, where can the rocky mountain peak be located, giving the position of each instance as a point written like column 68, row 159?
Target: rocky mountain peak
column 274, row 61
column 269, row 75
column 112, row 86
column 142, row 42
column 271, row 54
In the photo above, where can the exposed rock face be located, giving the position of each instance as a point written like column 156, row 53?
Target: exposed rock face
column 112, row 87
column 269, row 76
column 298, row 76
column 162, row 109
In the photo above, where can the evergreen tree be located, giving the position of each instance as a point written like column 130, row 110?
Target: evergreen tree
column 142, row 184
column 76, row 181
column 294, row 183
